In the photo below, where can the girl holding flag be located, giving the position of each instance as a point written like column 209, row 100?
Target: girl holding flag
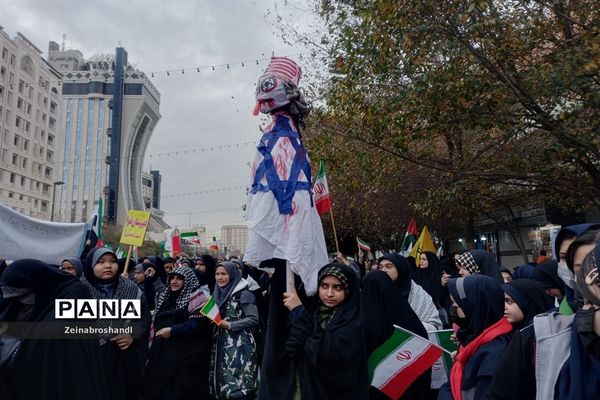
column 233, row 359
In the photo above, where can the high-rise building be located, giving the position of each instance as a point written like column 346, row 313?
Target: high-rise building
column 235, row 237
column 157, row 180
column 110, row 110
column 30, row 106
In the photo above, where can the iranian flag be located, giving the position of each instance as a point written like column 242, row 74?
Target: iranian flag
column 211, row 311
column 214, row 246
column 440, row 371
column 362, row 244
column 191, row 237
column 321, row 191
column 395, row 365
column 409, row 238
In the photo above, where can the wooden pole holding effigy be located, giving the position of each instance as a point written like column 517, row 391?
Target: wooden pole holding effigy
column 337, row 246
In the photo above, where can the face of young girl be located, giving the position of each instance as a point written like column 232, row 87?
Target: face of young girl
column 221, row 277
column 331, row 291
column 176, row 283
column 106, row 267
column 512, row 311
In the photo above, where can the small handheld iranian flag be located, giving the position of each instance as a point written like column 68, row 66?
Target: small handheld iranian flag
column 440, row 371
column 211, row 311
column 321, row 190
column 362, row 244
column 401, row 359
column 191, row 237
column 214, row 245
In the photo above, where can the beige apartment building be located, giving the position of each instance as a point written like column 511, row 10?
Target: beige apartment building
column 30, row 108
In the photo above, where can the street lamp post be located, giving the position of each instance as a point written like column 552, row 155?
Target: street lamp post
column 54, row 185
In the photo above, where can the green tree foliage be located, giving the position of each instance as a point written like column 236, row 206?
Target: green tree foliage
column 459, row 108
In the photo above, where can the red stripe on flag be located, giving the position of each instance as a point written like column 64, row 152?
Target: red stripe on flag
column 323, row 205
column 397, row 385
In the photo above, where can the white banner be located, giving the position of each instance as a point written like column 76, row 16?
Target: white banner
column 24, row 237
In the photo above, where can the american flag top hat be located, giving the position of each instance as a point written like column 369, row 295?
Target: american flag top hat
column 284, row 68
column 277, row 85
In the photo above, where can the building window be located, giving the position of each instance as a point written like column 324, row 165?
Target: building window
column 48, row 173
column 49, row 155
column 15, row 159
column 25, row 144
column 18, row 122
column 4, row 53
column 16, row 140
column 22, row 181
column 44, row 207
column 73, row 208
column 12, row 178
column 50, row 139
column 24, row 163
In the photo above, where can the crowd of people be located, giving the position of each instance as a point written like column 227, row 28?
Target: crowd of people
column 524, row 333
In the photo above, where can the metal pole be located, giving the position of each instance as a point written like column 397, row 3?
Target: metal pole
column 53, row 197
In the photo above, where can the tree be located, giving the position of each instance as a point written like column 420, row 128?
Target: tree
column 462, row 107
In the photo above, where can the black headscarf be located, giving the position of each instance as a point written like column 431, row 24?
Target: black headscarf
column 61, row 369
column 77, row 264
column 571, row 232
column 530, row 297
column 547, row 275
column 384, row 307
column 430, row 278
column 403, row 282
column 159, row 267
column 482, row 300
column 42, row 279
column 90, row 261
column 487, row 263
column 182, row 296
column 210, row 264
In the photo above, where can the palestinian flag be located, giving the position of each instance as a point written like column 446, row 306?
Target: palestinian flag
column 440, row 371
column 362, row 244
column 395, row 365
column 321, row 191
column 410, row 237
column 211, row 311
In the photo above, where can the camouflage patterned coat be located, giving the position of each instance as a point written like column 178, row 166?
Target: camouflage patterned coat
column 233, row 358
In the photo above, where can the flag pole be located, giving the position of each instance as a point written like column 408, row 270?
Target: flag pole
column 426, row 339
column 127, row 261
column 337, row 246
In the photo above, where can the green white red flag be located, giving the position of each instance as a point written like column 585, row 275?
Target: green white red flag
column 321, row 191
column 191, row 237
column 400, row 360
column 362, row 244
column 211, row 311
column 214, row 246
column 440, row 371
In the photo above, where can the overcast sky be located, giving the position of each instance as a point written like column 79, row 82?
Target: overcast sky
column 199, row 109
